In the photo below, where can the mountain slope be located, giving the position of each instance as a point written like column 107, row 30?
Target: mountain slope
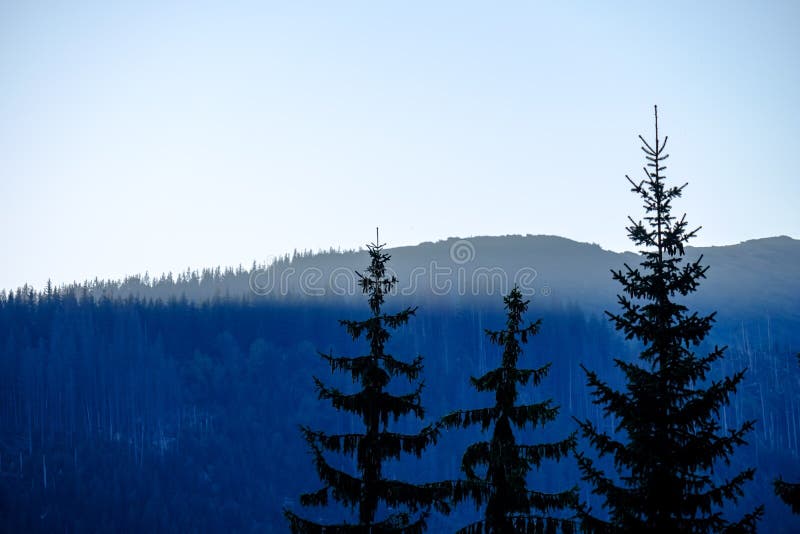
column 756, row 277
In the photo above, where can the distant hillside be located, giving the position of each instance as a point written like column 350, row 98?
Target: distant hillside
column 139, row 415
column 760, row 277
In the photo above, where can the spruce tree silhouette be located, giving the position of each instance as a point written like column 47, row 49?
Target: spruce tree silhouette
column 669, row 409
column 789, row 492
column 377, row 408
column 510, row 505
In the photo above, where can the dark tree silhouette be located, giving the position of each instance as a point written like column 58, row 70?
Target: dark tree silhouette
column 510, row 505
column 789, row 492
column 376, row 407
column 668, row 409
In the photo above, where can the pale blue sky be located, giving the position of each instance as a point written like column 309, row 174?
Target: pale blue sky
column 158, row 136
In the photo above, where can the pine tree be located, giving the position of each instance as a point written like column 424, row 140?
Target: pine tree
column 669, row 409
column 510, row 505
column 789, row 492
column 376, row 407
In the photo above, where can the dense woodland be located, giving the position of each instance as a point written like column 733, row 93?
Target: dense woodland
column 415, row 412
column 156, row 415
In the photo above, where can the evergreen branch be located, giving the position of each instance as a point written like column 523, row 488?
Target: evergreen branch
column 356, row 328
column 298, row 525
column 459, row 491
column 701, row 448
column 345, row 488
column 365, row 401
column 615, row 402
column 409, row 443
column 359, row 366
column 639, row 378
column 413, row 496
column 399, row 523
column 492, row 380
column 708, row 402
column 316, row 498
column 534, row 454
column 526, row 523
column 478, row 453
column 748, row 523
column 400, row 318
column 711, row 357
column 466, row 418
column 711, row 522
column 649, row 151
column 603, row 442
column 601, row 484
column 730, row 490
column 346, row 443
column 546, row 502
column 534, row 414
column 593, row 525
column 636, row 188
column 386, row 444
column 693, row 329
column 396, row 367
column 502, row 337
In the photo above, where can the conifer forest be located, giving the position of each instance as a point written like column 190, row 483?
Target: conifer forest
column 650, row 391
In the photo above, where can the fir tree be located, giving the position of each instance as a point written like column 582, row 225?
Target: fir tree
column 789, row 492
column 502, row 485
column 376, row 407
column 669, row 409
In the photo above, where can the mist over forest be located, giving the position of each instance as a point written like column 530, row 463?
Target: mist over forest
column 173, row 403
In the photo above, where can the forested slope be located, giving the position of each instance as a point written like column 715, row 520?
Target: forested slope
column 146, row 407
column 137, row 415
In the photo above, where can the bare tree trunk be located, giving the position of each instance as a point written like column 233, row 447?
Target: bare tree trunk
column 763, row 411
column 30, row 429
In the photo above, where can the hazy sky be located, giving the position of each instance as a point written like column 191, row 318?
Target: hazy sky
column 159, row 136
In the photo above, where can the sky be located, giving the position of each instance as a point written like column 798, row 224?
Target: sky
column 159, row 136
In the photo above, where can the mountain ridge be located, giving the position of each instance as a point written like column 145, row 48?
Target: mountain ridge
column 757, row 276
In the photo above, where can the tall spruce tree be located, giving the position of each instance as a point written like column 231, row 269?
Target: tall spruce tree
column 789, row 492
column 501, row 482
column 376, row 407
column 669, row 409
